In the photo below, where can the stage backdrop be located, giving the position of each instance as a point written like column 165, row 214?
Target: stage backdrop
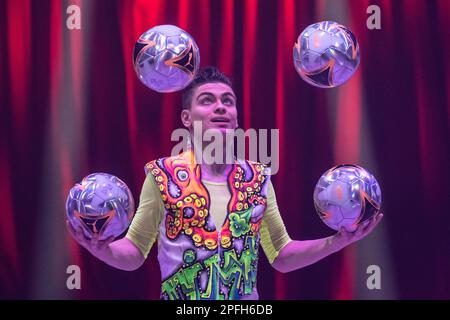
column 71, row 104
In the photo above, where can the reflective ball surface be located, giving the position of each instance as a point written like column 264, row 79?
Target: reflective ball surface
column 166, row 58
column 346, row 196
column 101, row 205
column 326, row 54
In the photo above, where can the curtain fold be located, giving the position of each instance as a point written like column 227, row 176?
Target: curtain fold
column 71, row 104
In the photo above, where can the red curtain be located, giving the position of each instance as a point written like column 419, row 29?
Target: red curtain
column 71, row 104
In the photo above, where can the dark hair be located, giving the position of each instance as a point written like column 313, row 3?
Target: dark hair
column 209, row 74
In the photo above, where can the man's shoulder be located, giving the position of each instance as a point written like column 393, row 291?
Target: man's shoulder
column 153, row 165
column 156, row 163
column 260, row 167
column 255, row 163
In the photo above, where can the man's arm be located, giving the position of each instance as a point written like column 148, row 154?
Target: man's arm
column 129, row 253
column 299, row 254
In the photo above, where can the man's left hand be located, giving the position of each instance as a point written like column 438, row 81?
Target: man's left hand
column 343, row 238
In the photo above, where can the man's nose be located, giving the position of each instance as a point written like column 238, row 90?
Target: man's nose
column 220, row 108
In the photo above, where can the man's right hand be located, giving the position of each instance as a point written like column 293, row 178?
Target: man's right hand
column 93, row 245
column 121, row 254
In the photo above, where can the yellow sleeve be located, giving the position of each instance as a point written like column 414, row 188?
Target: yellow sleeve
column 273, row 232
column 144, row 228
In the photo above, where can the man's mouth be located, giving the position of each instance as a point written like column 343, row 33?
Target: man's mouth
column 220, row 120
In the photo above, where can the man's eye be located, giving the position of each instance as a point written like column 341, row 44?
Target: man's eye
column 206, row 101
column 228, row 102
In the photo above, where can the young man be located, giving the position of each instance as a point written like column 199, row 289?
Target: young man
column 209, row 219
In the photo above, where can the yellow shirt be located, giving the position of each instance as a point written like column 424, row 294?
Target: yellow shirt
column 144, row 228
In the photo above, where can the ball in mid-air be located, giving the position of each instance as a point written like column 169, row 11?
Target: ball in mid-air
column 326, row 54
column 345, row 196
column 166, row 58
column 101, row 205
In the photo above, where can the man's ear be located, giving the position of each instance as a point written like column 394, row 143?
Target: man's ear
column 186, row 118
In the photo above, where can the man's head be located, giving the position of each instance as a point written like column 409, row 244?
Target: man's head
column 210, row 99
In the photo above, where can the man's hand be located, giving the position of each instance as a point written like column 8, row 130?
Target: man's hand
column 93, row 245
column 343, row 238
column 121, row 254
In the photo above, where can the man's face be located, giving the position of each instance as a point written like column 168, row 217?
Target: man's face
column 214, row 105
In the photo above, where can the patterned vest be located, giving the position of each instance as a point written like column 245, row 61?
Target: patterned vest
column 197, row 260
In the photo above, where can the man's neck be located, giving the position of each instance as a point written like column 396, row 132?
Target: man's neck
column 216, row 172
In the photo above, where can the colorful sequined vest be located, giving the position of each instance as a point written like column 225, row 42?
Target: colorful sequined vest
column 198, row 261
